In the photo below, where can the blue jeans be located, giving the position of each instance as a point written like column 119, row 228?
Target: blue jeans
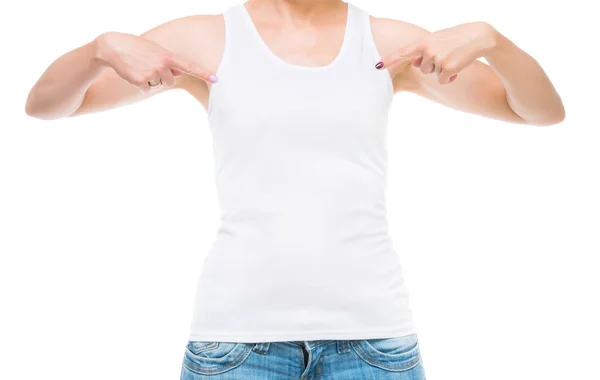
column 395, row 358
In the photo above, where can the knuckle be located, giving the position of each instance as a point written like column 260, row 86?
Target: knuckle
column 162, row 65
column 450, row 67
column 398, row 56
column 155, row 74
column 442, row 62
column 138, row 80
column 147, row 76
column 167, row 56
column 167, row 80
column 429, row 52
column 190, row 67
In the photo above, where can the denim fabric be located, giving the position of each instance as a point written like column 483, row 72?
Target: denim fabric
column 395, row 358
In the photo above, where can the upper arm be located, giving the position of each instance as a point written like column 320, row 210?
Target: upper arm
column 199, row 38
column 476, row 90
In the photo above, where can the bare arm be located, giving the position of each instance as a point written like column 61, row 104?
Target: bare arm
column 61, row 88
column 114, row 69
column 529, row 91
column 443, row 67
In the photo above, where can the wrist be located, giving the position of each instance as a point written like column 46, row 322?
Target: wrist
column 495, row 42
column 100, row 50
column 491, row 39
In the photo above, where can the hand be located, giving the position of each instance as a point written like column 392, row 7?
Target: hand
column 144, row 63
column 447, row 51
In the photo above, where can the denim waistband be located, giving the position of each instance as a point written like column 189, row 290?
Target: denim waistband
column 342, row 345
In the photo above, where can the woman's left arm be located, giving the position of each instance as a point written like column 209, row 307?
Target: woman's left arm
column 529, row 91
column 512, row 88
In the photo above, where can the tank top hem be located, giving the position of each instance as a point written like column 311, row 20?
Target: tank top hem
column 245, row 337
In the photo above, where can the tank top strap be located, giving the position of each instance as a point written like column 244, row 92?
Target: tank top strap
column 361, row 36
column 354, row 26
column 238, row 33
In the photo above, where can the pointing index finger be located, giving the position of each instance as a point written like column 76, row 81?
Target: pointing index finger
column 192, row 68
column 408, row 52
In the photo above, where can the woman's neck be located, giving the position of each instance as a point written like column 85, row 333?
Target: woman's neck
column 301, row 11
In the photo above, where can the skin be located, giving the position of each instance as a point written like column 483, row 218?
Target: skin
column 115, row 69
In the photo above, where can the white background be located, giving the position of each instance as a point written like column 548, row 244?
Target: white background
column 105, row 219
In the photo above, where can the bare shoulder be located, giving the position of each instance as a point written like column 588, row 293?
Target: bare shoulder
column 199, row 35
column 389, row 36
column 200, row 38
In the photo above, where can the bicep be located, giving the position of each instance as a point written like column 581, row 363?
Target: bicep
column 476, row 90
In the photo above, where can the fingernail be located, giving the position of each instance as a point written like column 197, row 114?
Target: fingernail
column 213, row 78
column 379, row 65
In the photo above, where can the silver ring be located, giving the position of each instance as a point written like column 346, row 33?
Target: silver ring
column 156, row 85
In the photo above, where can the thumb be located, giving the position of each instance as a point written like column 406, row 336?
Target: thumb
column 408, row 52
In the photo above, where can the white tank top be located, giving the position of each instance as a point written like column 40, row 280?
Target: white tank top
column 302, row 251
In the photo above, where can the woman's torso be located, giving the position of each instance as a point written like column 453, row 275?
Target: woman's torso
column 303, row 250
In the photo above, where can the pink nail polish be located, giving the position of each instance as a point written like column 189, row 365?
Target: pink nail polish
column 213, row 78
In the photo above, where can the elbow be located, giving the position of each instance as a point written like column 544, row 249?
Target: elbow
column 35, row 111
column 31, row 109
column 552, row 113
column 560, row 117
column 554, row 116
column 557, row 113
column 557, row 117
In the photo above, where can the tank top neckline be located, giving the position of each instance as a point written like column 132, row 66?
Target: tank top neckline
column 280, row 61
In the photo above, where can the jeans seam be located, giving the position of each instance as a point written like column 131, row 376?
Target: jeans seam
column 237, row 361
column 370, row 359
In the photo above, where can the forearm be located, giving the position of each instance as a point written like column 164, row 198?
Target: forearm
column 529, row 91
column 62, row 87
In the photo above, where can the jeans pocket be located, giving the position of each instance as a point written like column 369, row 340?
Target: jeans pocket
column 392, row 354
column 197, row 347
column 211, row 358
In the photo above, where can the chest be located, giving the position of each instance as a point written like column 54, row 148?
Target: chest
column 324, row 110
column 306, row 47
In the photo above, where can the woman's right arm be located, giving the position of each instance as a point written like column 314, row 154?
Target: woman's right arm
column 61, row 88
column 114, row 69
